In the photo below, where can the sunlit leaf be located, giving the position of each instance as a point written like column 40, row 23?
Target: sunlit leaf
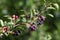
column 22, row 15
column 24, row 19
column 50, row 15
column 1, row 22
column 51, row 8
column 56, row 5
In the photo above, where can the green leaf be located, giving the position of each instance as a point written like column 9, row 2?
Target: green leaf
column 24, row 19
column 50, row 15
column 56, row 5
column 22, row 15
column 51, row 8
column 1, row 22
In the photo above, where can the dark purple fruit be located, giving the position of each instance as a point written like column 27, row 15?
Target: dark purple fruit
column 17, row 32
column 33, row 28
column 42, row 18
column 39, row 22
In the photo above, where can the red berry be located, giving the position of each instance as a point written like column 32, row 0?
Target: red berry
column 15, row 17
column 27, row 16
column 5, row 29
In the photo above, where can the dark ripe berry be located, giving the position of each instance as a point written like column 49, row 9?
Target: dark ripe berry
column 15, row 17
column 17, row 32
column 42, row 18
column 39, row 22
column 33, row 28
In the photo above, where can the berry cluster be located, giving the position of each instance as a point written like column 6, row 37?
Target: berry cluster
column 40, row 19
column 32, row 26
column 15, row 17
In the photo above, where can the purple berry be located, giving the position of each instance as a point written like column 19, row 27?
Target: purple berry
column 33, row 28
column 17, row 32
column 39, row 22
column 42, row 18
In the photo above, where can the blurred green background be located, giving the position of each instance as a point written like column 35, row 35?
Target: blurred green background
column 51, row 26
